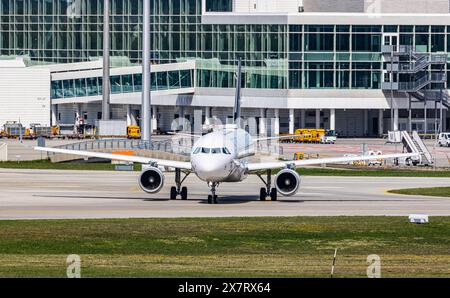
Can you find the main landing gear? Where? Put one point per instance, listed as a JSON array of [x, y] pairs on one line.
[[268, 191], [178, 190], [212, 198]]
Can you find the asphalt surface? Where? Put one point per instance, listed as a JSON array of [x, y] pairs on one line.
[[48, 194], [18, 151]]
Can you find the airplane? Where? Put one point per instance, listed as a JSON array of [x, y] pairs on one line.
[[222, 157]]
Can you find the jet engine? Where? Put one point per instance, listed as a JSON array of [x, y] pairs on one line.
[[288, 182], [151, 180]]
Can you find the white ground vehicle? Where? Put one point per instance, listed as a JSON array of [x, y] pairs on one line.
[[376, 162], [329, 138], [444, 139]]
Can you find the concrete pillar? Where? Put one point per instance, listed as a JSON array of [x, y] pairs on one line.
[[380, 122], [425, 127], [409, 115], [129, 120], [54, 120], [263, 123], [366, 123], [207, 116], [396, 126], [291, 121], [77, 111], [154, 126], [332, 119], [303, 119], [276, 123], [318, 118], [134, 120], [444, 120]]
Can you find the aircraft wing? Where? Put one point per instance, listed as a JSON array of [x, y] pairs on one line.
[[279, 138], [299, 163], [188, 135], [137, 159]]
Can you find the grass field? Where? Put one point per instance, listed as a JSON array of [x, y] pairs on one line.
[[375, 172], [433, 192], [47, 165], [232, 247]]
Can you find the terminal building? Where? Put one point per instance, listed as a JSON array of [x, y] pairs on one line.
[[360, 67]]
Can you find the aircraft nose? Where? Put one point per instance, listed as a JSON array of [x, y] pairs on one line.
[[209, 169]]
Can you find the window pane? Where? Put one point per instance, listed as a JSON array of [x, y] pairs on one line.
[[127, 83], [116, 86]]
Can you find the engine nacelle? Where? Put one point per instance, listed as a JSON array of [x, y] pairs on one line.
[[288, 182], [151, 180]]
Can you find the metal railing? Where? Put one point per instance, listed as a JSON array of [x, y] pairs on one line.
[[421, 82], [169, 146]]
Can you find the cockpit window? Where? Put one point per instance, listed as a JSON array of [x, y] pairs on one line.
[[197, 151], [206, 150], [216, 151], [226, 151]]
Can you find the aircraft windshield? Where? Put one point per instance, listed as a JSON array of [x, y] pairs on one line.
[[212, 151]]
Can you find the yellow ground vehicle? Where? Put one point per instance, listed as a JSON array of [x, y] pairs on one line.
[[55, 130], [134, 132], [299, 156], [309, 135]]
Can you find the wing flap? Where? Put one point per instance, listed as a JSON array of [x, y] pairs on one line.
[[136, 159], [311, 162]]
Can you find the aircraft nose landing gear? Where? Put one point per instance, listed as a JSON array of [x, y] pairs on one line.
[[212, 198]]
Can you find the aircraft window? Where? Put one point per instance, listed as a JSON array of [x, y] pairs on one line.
[[226, 151], [197, 151], [216, 151], [206, 150]]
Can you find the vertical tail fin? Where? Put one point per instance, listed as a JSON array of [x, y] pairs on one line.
[[237, 103]]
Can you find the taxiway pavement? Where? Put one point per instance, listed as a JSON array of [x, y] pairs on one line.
[[49, 194]]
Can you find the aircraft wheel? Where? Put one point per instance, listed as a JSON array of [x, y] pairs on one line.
[[210, 199], [173, 193], [263, 194], [215, 200], [184, 193], [274, 194]]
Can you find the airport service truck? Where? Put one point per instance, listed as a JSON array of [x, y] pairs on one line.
[[444, 139]]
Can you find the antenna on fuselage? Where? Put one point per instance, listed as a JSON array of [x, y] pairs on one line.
[[237, 102]]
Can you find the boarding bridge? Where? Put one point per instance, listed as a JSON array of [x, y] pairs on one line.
[[413, 144]]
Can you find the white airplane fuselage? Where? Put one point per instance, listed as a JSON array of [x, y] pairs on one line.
[[216, 157]]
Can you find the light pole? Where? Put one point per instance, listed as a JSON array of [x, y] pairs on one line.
[[146, 111], [105, 82]]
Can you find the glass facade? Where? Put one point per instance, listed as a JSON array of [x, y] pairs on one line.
[[274, 56], [127, 83]]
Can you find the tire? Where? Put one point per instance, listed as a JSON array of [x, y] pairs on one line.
[[210, 200], [215, 200], [263, 194], [184, 193], [173, 193], [274, 194]]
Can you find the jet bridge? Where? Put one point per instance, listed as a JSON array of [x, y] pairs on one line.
[[412, 143]]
